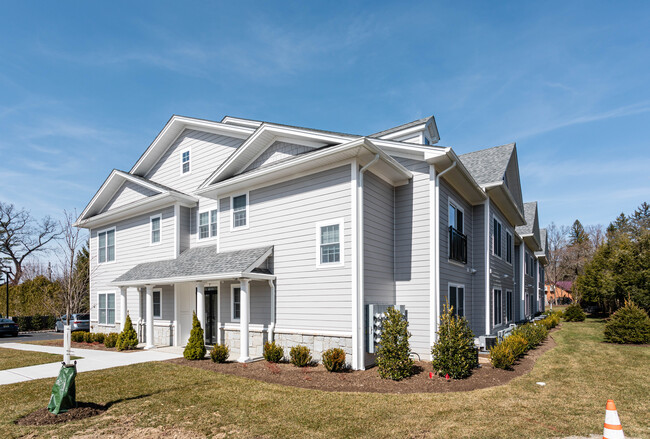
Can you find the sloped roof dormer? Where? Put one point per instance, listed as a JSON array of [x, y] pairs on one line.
[[529, 232], [422, 131]]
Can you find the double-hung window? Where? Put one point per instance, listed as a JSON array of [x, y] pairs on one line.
[[497, 307], [106, 247], [509, 305], [157, 304], [457, 299], [155, 222], [329, 243], [457, 241], [106, 307], [236, 302], [208, 224], [185, 161], [496, 238], [508, 247], [456, 217], [239, 211]]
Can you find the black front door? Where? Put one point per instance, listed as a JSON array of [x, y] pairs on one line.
[[211, 297]]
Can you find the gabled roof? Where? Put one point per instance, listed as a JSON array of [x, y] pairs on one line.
[[427, 124], [488, 165], [530, 231], [198, 263], [542, 255], [231, 120], [92, 212]]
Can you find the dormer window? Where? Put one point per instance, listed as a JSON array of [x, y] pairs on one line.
[[185, 162]]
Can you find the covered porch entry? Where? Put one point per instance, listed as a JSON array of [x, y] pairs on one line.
[[232, 294]]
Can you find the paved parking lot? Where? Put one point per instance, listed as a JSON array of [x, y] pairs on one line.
[[31, 336]]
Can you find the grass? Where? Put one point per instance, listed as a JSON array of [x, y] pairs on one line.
[[12, 358], [581, 373]]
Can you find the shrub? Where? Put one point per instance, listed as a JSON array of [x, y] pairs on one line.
[[195, 348], [77, 336], [88, 337], [534, 334], [574, 313], [334, 359], [550, 321], [501, 355], [273, 352], [630, 324], [517, 344], [454, 353], [393, 356], [98, 337], [128, 339], [110, 340], [220, 353], [300, 356]]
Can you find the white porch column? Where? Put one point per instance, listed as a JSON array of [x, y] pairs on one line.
[[244, 319], [149, 318], [200, 304], [123, 305]]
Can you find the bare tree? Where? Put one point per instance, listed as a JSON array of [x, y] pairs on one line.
[[22, 236], [557, 242], [73, 283], [597, 236]]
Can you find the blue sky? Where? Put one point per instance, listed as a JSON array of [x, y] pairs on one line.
[[86, 86]]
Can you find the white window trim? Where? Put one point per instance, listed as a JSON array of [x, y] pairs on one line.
[[151, 218], [107, 293], [232, 212], [457, 205], [114, 229], [232, 302], [494, 235], [159, 316], [198, 225], [333, 222], [494, 293], [512, 247], [180, 159], [456, 285]]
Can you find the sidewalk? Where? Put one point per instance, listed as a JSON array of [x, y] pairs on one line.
[[91, 360]]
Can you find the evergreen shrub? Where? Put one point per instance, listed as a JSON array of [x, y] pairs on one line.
[[533, 333], [88, 337], [393, 356], [630, 324], [77, 336], [195, 348], [502, 356], [220, 353], [517, 344], [98, 337], [273, 352], [300, 356], [334, 359], [574, 313], [111, 340], [454, 352], [128, 338]]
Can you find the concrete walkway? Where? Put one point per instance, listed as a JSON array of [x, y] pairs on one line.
[[91, 360]]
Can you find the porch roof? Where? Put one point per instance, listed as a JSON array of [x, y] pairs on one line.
[[200, 264]]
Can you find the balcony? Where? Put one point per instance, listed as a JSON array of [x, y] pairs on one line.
[[457, 246]]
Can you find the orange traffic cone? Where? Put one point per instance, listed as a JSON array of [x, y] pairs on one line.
[[613, 428]]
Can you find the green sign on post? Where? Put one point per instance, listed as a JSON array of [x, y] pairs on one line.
[[64, 395]]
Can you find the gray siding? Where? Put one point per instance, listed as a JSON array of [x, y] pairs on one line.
[[260, 301], [412, 265], [501, 272], [185, 227], [129, 192], [278, 151], [285, 215], [518, 291], [207, 152], [478, 243]]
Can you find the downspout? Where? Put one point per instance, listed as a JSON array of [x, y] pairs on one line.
[[272, 324], [360, 360], [436, 274], [488, 240]]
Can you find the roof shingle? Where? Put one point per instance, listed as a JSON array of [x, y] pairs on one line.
[[488, 165]]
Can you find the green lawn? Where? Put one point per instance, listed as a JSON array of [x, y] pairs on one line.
[[581, 373], [12, 358]]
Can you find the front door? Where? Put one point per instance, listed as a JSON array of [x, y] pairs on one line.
[[211, 297]]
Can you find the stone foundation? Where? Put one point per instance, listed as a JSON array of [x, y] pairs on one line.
[[163, 335], [256, 340]]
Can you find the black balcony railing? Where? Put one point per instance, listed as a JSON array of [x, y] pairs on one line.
[[457, 246]]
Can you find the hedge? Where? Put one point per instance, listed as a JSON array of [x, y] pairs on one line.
[[35, 323]]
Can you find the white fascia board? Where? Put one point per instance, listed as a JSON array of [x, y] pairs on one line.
[[405, 132], [442, 155], [259, 260], [502, 187], [137, 208], [174, 127], [97, 196], [229, 120], [201, 278], [259, 139]]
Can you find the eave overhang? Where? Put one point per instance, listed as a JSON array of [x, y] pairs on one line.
[[201, 278], [363, 149], [458, 177], [502, 198]]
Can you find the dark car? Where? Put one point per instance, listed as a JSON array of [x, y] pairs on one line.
[[78, 322], [8, 327]]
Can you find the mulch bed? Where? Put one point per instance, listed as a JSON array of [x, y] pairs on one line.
[[44, 417], [317, 377]]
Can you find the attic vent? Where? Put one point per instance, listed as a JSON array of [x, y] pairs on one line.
[[374, 320]]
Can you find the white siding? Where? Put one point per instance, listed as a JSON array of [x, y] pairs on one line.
[[129, 192], [278, 151]]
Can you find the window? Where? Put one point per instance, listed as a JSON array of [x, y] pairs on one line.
[[529, 264], [496, 238], [329, 243], [185, 162], [208, 224], [457, 299], [456, 217], [508, 247], [155, 229], [509, 304], [106, 308], [235, 295], [496, 306], [106, 247], [239, 207], [157, 304]]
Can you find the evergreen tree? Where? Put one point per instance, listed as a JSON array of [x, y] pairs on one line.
[[393, 356], [195, 348], [128, 338], [578, 235], [454, 353]]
